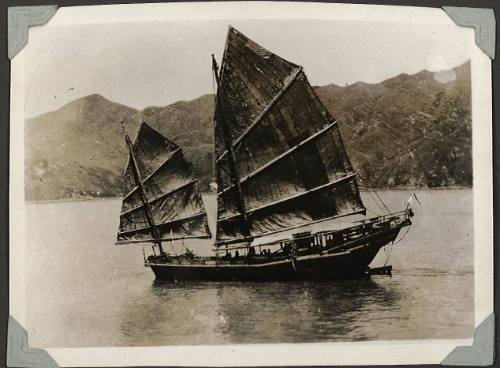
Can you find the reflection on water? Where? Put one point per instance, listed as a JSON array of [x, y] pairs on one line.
[[214, 312], [401, 307], [299, 312], [83, 291]]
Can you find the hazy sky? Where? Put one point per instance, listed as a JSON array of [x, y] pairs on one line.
[[158, 63]]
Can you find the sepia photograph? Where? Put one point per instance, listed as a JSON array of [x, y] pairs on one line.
[[194, 175]]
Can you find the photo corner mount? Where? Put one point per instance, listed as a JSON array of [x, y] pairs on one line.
[[19, 19], [483, 22]]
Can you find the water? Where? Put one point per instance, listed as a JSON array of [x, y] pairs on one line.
[[84, 291]]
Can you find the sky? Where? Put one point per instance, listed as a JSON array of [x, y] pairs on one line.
[[158, 63]]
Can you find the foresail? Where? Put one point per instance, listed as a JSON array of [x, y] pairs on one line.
[[172, 194], [292, 165]]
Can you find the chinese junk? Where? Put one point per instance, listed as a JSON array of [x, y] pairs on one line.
[[288, 202]]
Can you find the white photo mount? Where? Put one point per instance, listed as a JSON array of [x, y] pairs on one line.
[[19, 354]]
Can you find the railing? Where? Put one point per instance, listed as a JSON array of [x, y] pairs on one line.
[[320, 242]]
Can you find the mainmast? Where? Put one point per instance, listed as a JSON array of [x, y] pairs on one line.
[[142, 192], [281, 162], [233, 172]]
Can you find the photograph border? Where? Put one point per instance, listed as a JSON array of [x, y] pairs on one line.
[[460, 356]]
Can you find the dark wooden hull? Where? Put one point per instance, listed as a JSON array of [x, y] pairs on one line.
[[334, 265]]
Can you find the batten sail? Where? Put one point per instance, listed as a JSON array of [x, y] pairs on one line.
[[169, 193], [290, 158]]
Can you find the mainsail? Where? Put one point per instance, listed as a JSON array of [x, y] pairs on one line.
[[284, 148], [161, 199]]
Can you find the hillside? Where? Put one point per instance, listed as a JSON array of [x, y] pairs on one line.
[[410, 130]]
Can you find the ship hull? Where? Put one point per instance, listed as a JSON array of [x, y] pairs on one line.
[[335, 265]]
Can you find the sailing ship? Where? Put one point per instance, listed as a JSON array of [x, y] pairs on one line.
[[288, 201]]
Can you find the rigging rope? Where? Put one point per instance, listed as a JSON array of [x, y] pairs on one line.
[[381, 201], [375, 201], [388, 251], [404, 235], [172, 242], [370, 192], [390, 247], [372, 211]]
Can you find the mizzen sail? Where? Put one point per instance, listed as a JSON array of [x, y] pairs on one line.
[[286, 149], [161, 199]]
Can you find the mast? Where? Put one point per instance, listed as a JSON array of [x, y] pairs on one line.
[[142, 192], [233, 172]]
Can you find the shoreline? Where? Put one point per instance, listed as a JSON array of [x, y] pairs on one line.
[[64, 200], [365, 189]]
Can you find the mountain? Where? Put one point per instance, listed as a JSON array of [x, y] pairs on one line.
[[76, 151], [410, 130]]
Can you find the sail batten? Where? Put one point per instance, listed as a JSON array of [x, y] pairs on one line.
[[165, 238], [152, 200], [243, 74], [126, 232], [144, 180], [290, 162], [283, 155], [276, 98], [296, 196], [168, 202]]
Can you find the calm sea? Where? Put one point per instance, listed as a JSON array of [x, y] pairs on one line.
[[82, 290]]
